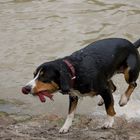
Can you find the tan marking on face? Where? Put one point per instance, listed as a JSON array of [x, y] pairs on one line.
[[110, 111], [40, 86]]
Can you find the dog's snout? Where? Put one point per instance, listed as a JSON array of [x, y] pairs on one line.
[[26, 89]]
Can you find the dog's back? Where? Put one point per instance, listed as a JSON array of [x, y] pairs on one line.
[[105, 56]]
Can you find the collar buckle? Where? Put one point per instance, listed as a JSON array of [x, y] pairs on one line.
[[74, 77]]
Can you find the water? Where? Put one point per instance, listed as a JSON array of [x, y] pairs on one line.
[[35, 31]]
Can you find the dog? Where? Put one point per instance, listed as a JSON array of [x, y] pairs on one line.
[[88, 72]]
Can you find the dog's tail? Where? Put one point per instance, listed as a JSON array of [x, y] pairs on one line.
[[137, 44]]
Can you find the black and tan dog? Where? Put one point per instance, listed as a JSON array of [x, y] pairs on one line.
[[88, 72]]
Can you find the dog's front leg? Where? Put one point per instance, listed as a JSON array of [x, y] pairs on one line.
[[109, 105], [73, 100], [112, 88]]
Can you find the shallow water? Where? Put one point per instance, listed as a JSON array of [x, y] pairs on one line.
[[35, 31]]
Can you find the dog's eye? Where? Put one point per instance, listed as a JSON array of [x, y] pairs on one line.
[[41, 73], [46, 81]]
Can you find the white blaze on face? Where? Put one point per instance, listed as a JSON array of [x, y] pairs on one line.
[[32, 83]]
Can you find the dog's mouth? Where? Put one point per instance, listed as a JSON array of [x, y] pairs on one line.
[[41, 94]]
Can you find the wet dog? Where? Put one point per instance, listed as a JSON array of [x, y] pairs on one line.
[[88, 72]]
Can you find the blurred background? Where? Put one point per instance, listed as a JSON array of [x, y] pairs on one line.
[[36, 31]]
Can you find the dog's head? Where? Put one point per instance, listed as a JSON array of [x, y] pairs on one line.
[[48, 78]]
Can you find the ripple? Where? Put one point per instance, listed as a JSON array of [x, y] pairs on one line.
[[34, 31], [20, 1], [104, 25], [130, 36], [98, 2], [100, 36]]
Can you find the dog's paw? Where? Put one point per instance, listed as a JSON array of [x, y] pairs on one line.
[[107, 125], [64, 130], [123, 101], [109, 122], [101, 102]]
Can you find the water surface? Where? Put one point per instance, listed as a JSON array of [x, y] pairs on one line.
[[35, 31]]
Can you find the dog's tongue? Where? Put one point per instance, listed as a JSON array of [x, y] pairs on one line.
[[42, 95]]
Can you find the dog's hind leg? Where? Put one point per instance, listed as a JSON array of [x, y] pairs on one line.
[[131, 74], [126, 96], [73, 100], [132, 85], [113, 89]]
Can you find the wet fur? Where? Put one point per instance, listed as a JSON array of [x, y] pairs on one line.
[[94, 67]]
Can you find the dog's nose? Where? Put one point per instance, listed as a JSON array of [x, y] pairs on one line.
[[26, 89]]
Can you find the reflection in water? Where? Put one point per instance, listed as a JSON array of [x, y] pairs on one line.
[[35, 31], [16, 1]]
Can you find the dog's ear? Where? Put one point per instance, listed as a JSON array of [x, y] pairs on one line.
[[65, 80]]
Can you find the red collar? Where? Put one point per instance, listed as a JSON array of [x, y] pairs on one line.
[[72, 69]]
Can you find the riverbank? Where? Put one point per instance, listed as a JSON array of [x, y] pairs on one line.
[[24, 127]]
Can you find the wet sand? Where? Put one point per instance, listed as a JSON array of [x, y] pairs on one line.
[[84, 127], [32, 32]]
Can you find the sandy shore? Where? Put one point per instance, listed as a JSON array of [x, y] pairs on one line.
[[84, 127]]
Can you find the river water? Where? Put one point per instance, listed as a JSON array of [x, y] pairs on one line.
[[35, 31]]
